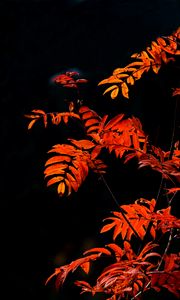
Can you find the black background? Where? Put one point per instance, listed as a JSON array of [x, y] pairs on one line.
[[38, 40]]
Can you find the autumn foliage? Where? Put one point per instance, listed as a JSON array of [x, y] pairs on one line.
[[131, 272]]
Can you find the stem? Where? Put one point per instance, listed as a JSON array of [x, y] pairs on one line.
[[139, 293], [170, 200], [109, 190], [167, 248]]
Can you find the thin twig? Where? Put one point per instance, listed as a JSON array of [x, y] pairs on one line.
[[167, 248]]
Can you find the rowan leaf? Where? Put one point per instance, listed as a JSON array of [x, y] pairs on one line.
[[98, 250], [125, 90], [153, 57], [61, 188], [113, 122], [110, 89], [91, 122], [82, 144], [117, 251], [31, 123], [54, 180], [38, 111]]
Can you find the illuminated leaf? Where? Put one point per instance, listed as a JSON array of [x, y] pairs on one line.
[[113, 122], [152, 57], [61, 188], [54, 180], [110, 88], [31, 123], [99, 250], [125, 90], [83, 144]]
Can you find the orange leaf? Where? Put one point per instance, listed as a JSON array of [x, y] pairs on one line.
[[107, 227], [59, 158], [96, 151], [83, 144], [99, 250], [130, 80], [156, 68], [87, 115], [38, 111], [61, 188], [31, 123], [72, 182], [92, 129], [117, 250], [125, 90], [55, 169], [32, 116], [110, 88], [111, 79], [75, 172], [83, 109], [82, 168], [68, 185], [91, 122], [54, 180], [133, 64], [119, 70], [86, 266], [113, 122], [114, 93]]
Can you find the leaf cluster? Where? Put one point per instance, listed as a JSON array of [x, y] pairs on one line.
[[132, 272]]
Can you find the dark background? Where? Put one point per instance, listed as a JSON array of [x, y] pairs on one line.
[[38, 40]]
